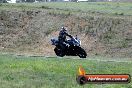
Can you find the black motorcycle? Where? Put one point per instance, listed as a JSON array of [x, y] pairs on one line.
[[71, 48]]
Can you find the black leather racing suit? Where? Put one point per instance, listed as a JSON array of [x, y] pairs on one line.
[[62, 38]]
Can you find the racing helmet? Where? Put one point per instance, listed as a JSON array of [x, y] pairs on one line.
[[63, 28]]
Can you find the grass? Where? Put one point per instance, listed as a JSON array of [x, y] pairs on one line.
[[54, 72], [39, 24], [114, 8]]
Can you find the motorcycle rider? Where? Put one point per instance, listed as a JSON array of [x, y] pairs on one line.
[[62, 37]]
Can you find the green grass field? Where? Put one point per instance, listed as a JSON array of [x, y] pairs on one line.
[[114, 8], [54, 72]]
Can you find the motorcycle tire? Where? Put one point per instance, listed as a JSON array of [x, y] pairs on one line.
[[59, 52], [82, 53]]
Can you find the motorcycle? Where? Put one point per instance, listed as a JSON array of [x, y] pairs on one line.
[[71, 48]]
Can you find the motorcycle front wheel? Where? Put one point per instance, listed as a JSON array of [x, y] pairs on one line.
[[81, 53]]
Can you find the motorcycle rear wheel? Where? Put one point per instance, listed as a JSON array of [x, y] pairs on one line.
[[59, 52]]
